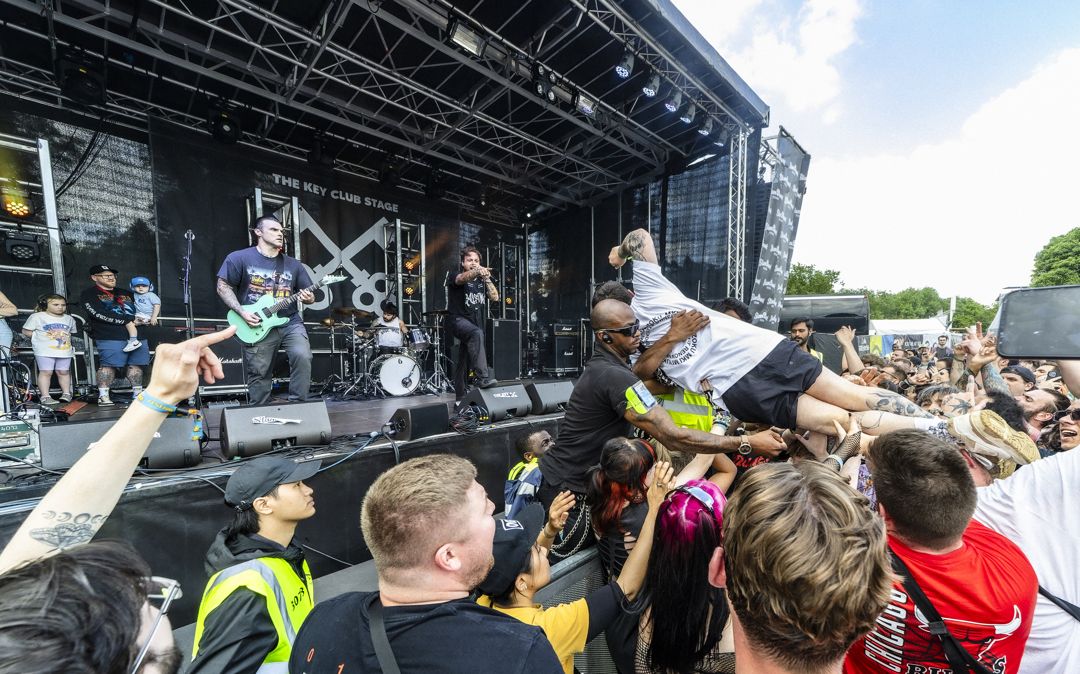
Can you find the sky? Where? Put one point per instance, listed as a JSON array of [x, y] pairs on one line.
[[942, 134]]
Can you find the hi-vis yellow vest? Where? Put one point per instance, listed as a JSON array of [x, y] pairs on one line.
[[288, 601], [688, 409]]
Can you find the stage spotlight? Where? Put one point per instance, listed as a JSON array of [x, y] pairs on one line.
[[482, 199], [625, 68], [688, 114], [412, 263], [584, 104], [224, 124], [320, 154], [434, 185], [23, 247], [16, 201], [465, 37], [81, 79], [673, 103], [390, 171], [722, 137], [409, 290], [544, 82], [509, 300], [652, 87], [706, 128]]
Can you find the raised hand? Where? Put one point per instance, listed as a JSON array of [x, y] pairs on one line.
[[845, 335], [663, 482], [766, 443], [177, 367], [559, 512], [686, 323]]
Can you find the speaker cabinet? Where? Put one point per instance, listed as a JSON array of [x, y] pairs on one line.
[[247, 431], [172, 446], [501, 402], [504, 348], [413, 423], [563, 354], [548, 397]]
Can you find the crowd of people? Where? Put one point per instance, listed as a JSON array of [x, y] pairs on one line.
[[752, 511]]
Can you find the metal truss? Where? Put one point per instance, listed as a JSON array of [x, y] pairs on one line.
[[736, 238]]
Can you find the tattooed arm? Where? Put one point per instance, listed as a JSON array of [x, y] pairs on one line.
[[637, 245], [76, 507], [993, 380]]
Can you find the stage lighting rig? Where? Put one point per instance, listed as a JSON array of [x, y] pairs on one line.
[[723, 135], [16, 201], [390, 171], [320, 154], [585, 104], [706, 128], [625, 67], [482, 198], [652, 86], [224, 123], [81, 78], [673, 103], [544, 82], [461, 34], [435, 184], [22, 247], [688, 115]]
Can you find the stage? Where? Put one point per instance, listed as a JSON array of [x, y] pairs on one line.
[[172, 516]]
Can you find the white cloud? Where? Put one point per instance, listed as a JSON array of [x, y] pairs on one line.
[[786, 56], [965, 215]]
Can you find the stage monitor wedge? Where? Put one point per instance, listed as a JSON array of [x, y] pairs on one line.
[[549, 397], [413, 423], [501, 402], [248, 431], [172, 446]]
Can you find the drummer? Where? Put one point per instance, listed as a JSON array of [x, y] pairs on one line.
[[389, 329]]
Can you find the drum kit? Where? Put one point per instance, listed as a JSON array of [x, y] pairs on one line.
[[382, 362]]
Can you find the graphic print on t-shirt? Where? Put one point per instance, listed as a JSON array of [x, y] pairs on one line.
[[683, 353], [59, 335], [260, 281]]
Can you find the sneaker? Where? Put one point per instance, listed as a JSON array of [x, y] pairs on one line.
[[66, 398], [48, 400], [105, 401], [132, 345], [487, 383]]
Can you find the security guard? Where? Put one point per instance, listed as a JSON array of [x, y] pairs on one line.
[[260, 587]]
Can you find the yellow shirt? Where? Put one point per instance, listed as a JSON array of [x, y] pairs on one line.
[[566, 625]]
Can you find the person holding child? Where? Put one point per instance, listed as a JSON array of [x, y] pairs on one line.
[[50, 329]]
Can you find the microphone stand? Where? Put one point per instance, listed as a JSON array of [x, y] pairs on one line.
[[189, 312]]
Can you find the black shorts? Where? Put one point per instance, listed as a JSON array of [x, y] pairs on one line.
[[769, 393]]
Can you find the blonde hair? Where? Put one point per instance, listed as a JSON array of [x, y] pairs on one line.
[[414, 508], [807, 567]]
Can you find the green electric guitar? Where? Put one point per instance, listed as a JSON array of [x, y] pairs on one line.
[[267, 309]]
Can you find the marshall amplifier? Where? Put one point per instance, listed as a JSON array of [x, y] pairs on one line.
[[232, 362], [563, 355]]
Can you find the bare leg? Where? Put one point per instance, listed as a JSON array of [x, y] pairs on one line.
[[832, 388], [818, 416], [134, 375], [131, 330], [44, 381], [65, 381], [105, 377]]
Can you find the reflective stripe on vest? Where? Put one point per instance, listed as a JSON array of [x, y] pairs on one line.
[[288, 601], [688, 409]]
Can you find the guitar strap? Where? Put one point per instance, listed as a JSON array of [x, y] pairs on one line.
[[278, 274]]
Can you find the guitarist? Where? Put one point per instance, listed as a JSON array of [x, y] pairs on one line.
[[244, 277]]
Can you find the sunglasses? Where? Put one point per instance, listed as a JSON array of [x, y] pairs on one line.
[[628, 331], [161, 593], [701, 496], [1074, 415]]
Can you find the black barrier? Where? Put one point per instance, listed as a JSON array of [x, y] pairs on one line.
[[172, 522]]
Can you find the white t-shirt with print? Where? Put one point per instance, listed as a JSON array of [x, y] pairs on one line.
[[721, 353], [52, 334], [1036, 508]]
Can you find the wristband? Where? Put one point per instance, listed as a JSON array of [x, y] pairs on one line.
[[837, 459], [159, 405]]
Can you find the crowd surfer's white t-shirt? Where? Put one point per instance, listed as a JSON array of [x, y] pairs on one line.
[[722, 353], [1036, 508]]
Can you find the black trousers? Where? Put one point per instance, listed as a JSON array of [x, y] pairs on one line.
[[472, 342]]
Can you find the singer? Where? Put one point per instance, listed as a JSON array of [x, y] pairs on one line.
[[465, 301]]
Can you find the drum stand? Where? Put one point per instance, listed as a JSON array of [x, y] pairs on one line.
[[362, 384], [438, 382]]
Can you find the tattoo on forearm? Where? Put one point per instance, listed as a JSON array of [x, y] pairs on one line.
[[67, 529], [870, 420], [887, 401], [227, 294], [993, 380]]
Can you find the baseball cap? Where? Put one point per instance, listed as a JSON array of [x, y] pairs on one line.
[[258, 478], [140, 281], [1021, 371], [985, 434], [100, 268], [514, 540]]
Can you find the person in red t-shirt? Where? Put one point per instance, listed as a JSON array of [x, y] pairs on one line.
[[978, 581]]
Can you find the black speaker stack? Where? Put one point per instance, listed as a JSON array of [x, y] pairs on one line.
[[563, 353]]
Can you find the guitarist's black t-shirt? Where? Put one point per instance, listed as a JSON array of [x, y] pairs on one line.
[[252, 274]]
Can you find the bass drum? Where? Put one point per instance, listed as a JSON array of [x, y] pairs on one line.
[[397, 374]]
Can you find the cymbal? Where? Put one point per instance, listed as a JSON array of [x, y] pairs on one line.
[[436, 312], [328, 322], [350, 311]]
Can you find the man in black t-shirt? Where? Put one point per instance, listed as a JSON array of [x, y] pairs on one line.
[[244, 277], [111, 311], [465, 300], [429, 526]]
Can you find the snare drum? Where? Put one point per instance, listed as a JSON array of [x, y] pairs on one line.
[[397, 374], [418, 340]]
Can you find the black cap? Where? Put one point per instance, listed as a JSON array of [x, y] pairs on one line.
[[258, 478], [99, 268], [1020, 371], [514, 540]]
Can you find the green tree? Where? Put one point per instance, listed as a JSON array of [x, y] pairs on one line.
[[1058, 263], [806, 279], [908, 303], [969, 312]]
